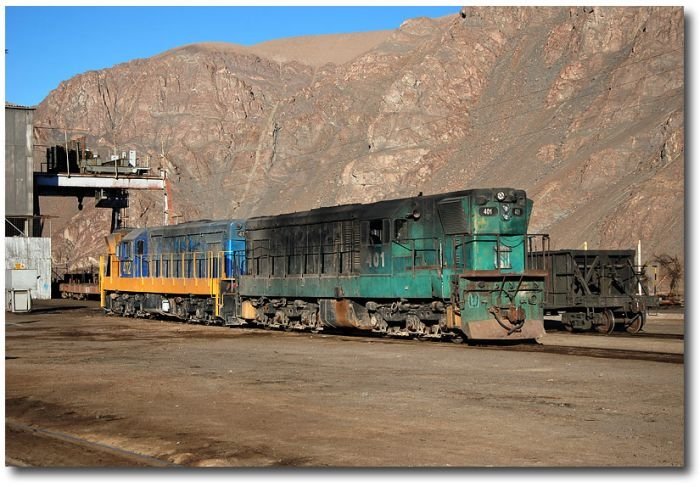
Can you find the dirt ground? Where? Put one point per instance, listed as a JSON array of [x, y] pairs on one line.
[[207, 396]]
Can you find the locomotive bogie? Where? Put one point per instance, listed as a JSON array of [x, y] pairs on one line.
[[190, 308], [392, 318]]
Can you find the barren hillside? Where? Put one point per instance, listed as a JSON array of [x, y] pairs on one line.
[[582, 107], [321, 49]]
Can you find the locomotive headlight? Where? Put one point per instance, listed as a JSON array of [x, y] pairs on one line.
[[505, 210], [500, 196]]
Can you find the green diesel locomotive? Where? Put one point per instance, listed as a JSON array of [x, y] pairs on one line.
[[447, 265]]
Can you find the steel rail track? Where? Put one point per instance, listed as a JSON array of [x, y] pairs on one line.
[[623, 334], [643, 334], [138, 459], [597, 352]]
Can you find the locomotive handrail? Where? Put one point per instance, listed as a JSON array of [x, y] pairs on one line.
[[179, 265], [539, 255], [498, 239], [414, 250], [318, 251]]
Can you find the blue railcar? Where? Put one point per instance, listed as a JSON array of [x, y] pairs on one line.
[[188, 270]]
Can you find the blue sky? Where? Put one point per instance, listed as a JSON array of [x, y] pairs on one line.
[[46, 45]]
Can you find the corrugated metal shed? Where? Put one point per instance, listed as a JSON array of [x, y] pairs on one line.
[[19, 161], [31, 253]]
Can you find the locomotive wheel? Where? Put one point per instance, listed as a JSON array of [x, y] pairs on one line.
[[457, 338], [636, 323], [607, 324]]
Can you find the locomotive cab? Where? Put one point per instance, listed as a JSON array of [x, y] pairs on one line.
[[132, 253]]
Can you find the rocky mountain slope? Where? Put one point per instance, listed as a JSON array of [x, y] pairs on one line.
[[582, 107]]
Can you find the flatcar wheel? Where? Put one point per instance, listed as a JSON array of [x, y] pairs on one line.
[[607, 324], [636, 323]]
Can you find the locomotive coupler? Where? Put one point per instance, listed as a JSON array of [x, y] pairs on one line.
[[516, 316]]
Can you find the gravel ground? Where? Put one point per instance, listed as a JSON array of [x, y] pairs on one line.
[[207, 396]]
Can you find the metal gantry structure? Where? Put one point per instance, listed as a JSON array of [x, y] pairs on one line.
[[74, 170], [70, 170]]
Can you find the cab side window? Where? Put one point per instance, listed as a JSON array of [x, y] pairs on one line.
[[375, 232], [400, 229], [379, 232], [125, 250]]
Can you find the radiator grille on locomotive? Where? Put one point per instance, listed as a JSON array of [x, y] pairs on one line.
[[453, 216]]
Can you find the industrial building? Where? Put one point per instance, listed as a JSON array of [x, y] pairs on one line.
[[71, 171]]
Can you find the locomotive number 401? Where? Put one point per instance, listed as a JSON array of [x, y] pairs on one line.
[[375, 259]]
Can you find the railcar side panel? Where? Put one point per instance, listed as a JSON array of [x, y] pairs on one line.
[[593, 289]]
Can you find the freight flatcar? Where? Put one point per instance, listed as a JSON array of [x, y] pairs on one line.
[[593, 289], [449, 265], [80, 285]]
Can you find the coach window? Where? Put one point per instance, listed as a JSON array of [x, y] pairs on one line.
[[139, 247]]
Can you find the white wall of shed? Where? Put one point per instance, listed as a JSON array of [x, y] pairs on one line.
[[31, 253]]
